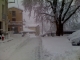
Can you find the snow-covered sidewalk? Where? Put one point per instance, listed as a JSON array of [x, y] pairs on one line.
[[7, 48], [56, 47], [6, 40]]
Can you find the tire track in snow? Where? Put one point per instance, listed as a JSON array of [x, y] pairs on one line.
[[39, 51], [31, 50]]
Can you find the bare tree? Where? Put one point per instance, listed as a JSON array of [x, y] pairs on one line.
[[60, 11]]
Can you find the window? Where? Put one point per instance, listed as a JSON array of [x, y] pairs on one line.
[[13, 13], [8, 29], [3, 12], [2, 9], [13, 19]]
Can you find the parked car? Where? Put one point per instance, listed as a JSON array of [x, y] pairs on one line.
[[75, 41], [75, 38], [73, 34]]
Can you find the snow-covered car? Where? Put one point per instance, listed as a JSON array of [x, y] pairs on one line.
[[73, 34], [75, 41], [75, 38]]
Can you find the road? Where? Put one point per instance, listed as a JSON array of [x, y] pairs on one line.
[[21, 49], [25, 48]]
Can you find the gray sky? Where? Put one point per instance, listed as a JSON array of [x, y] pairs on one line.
[[25, 14]]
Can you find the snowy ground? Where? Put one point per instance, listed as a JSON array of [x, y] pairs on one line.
[[56, 46], [21, 48], [35, 48]]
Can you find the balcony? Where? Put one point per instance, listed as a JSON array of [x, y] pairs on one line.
[[15, 23]]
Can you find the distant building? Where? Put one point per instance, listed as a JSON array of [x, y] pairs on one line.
[[15, 19], [3, 16], [35, 27]]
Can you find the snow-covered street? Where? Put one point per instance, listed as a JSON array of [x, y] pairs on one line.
[[21, 48], [35, 48]]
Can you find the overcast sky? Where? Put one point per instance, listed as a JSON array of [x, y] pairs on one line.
[[25, 14]]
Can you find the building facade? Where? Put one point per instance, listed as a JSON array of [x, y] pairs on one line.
[[3, 16], [15, 20], [35, 28]]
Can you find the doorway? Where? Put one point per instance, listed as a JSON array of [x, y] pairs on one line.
[[16, 30]]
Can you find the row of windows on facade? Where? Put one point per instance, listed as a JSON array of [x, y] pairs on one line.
[[13, 15]]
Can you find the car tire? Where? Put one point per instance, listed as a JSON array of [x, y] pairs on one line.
[[78, 44], [74, 44]]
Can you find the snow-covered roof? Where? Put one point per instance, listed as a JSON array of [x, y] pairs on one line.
[[33, 25], [15, 8], [28, 30]]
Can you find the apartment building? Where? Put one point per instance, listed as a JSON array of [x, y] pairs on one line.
[[3, 16], [15, 16]]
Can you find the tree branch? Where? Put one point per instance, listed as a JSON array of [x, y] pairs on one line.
[[50, 3], [71, 14], [62, 8], [54, 6], [47, 14], [67, 10]]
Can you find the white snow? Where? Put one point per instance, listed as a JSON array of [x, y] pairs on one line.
[[59, 48], [33, 48], [32, 25], [56, 45], [21, 48], [26, 52], [75, 37], [74, 34], [28, 30]]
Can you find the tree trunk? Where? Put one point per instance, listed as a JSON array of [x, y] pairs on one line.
[[59, 30]]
